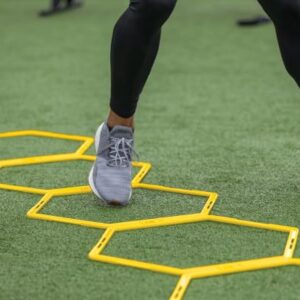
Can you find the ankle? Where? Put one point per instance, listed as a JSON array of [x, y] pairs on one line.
[[114, 120]]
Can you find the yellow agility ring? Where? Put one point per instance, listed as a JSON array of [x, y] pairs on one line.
[[185, 274]]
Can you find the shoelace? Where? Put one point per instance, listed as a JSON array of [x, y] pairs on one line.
[[120, 150]]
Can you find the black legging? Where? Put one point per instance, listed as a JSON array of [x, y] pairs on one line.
[[136, 40], [286, 17], [134, 48]]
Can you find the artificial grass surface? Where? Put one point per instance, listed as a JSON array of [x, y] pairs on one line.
[[27, 146], [145, 205], [190, 245], [219, 113]]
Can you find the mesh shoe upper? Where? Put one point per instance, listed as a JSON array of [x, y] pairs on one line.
[[112, 170]]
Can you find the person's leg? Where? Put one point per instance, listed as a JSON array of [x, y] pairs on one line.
[[286, 17], [134, 48], [135, 44], [123, 104]]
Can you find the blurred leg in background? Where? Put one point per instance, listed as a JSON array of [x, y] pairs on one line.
[[260, 20], [57, 6], [285, 15]]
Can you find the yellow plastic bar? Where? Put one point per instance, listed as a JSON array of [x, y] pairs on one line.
[[24, 189], [295, 262], [145, 168], [76, 190], [18, 133], [238, 267], [253, 224], [181, 287], [88, 157], [38, 160], [65, 220], [161, 188], [39, 206], [42, 133], [136, 264], [158, 222], [85, 146], [99, 247], [209, 204], [291, 243]]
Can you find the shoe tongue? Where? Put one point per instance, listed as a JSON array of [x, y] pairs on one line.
[[122, 132]]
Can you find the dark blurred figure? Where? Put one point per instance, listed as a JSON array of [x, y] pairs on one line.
[[285, 15], [57, 6], [260, 20]]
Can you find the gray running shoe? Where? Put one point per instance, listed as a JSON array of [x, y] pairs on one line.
[[110, 176]]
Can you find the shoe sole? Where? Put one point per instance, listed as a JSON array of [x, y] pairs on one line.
[[91, 175], [91, 181]]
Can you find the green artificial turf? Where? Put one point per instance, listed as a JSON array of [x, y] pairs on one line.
[[219, 113]]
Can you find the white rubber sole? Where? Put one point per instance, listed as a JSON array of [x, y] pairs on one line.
[[91, 175], [91, 181]]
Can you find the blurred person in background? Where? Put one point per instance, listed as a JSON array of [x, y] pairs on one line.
[[285, 15], [57, 6], [135, 44]]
